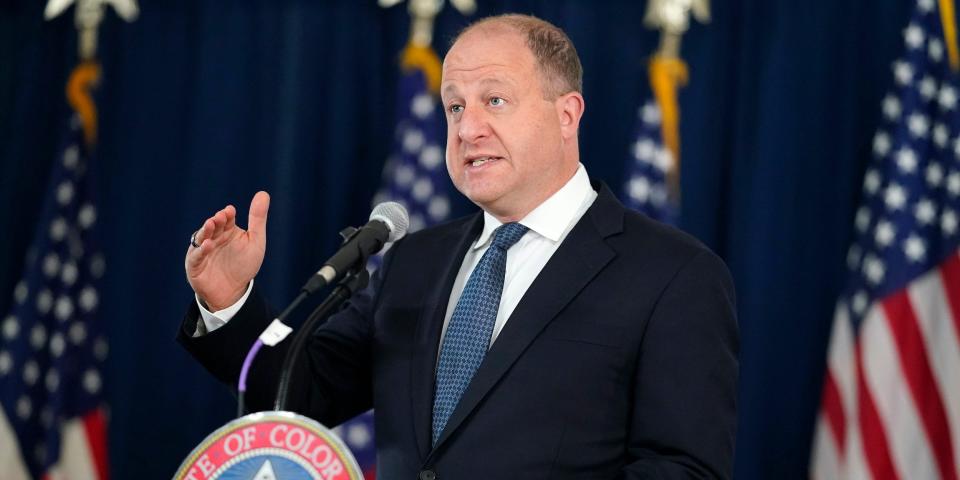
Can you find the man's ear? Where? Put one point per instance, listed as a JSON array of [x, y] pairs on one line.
[[569, 110]]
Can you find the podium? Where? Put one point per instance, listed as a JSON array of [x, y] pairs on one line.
[[268, 446]]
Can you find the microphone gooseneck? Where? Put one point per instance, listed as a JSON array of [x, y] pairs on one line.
[[388, 223]]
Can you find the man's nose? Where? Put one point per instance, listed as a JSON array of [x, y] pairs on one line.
[[474, 124]]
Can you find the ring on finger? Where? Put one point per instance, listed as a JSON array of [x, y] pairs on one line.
[[193, 239]]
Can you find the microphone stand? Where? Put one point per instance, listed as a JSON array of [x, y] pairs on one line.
[[354, 281]]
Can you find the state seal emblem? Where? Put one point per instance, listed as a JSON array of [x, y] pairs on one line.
[[271, 446]]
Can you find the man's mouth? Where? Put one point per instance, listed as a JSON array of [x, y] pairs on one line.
[[478, 161]]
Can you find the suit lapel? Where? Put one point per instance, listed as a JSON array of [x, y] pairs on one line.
[[579, 258], [424, 360]]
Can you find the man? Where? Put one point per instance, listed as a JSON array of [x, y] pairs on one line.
[[555, 335]]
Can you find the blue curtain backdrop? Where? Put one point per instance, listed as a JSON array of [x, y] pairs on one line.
[[203, 103]]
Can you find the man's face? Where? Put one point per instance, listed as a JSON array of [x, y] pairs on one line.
[[504, 145]]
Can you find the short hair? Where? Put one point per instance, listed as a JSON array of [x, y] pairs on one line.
[[556, 57]]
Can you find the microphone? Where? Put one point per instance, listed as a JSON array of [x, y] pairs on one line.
[[388, 223]]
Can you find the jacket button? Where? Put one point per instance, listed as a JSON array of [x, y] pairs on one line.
[[428, 475]]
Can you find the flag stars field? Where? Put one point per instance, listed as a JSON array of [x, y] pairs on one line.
[[874, 270], [57, 345], [934, 175], [915, 248], [6, 362], [422, 105], [885, 234], [903, 73], [895, 197], [940, 135], [928, 88], [925, 212], [860, 302], [52, 382], [906, 160], [853, 257], [892, 110], [871, 182], [11, 327], [914, 37], [948, 222], [31, 372], [881, 144], [863, 219], [935, 49], [20, 293], [947, 98], [919, 125], [413, 141], [38, 337]]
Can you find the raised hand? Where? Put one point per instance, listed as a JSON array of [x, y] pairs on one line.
[[229, 256]]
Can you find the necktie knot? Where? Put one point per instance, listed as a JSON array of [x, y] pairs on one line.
[[508, 234]]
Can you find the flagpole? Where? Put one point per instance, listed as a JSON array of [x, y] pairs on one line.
[[668, 71]]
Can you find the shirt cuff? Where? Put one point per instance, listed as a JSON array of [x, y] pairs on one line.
[[215, 320]]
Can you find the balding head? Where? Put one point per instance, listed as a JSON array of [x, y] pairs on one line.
[[556, 58]]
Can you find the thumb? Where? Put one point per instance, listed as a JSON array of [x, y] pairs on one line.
[[257, 219]]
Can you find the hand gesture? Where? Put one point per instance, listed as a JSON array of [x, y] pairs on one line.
[[229, 256]]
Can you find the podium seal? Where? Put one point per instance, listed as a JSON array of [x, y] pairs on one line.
[[271, 446]]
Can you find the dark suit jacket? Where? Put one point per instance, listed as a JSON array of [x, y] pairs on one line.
[[620, 361]]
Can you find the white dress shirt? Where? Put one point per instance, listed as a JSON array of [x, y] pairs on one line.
[[549, 224]]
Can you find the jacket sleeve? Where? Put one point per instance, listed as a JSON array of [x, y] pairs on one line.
[[331, 382], [684, 414]]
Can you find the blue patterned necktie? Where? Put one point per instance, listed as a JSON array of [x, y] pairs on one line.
[[468, 333]]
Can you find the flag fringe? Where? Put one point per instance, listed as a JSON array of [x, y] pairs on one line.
[[666, 75], [84, 77], [419, 57]]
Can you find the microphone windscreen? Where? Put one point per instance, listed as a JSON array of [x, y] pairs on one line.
[[394, 216]]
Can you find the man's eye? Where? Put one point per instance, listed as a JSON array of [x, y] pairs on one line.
[[497, 101], [455, 108]]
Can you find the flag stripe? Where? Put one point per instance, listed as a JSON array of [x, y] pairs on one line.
[[11, 461], [833, 408], [922, 385], [825, 452], [855, 463], [950, 271], [95, 426], [873, 358], [908, 446], [928, 295], [842, 367], [76, 460]]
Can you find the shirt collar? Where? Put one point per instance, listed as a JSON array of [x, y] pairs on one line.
[[553, 216]]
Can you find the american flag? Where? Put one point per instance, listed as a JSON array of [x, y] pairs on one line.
[[646, 188], [890, 406], [414, 175], [52, 348]]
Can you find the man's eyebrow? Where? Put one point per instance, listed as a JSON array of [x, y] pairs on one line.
[[448, 90], [451, 89]]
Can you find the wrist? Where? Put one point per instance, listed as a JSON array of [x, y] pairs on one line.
[[215, 303]]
